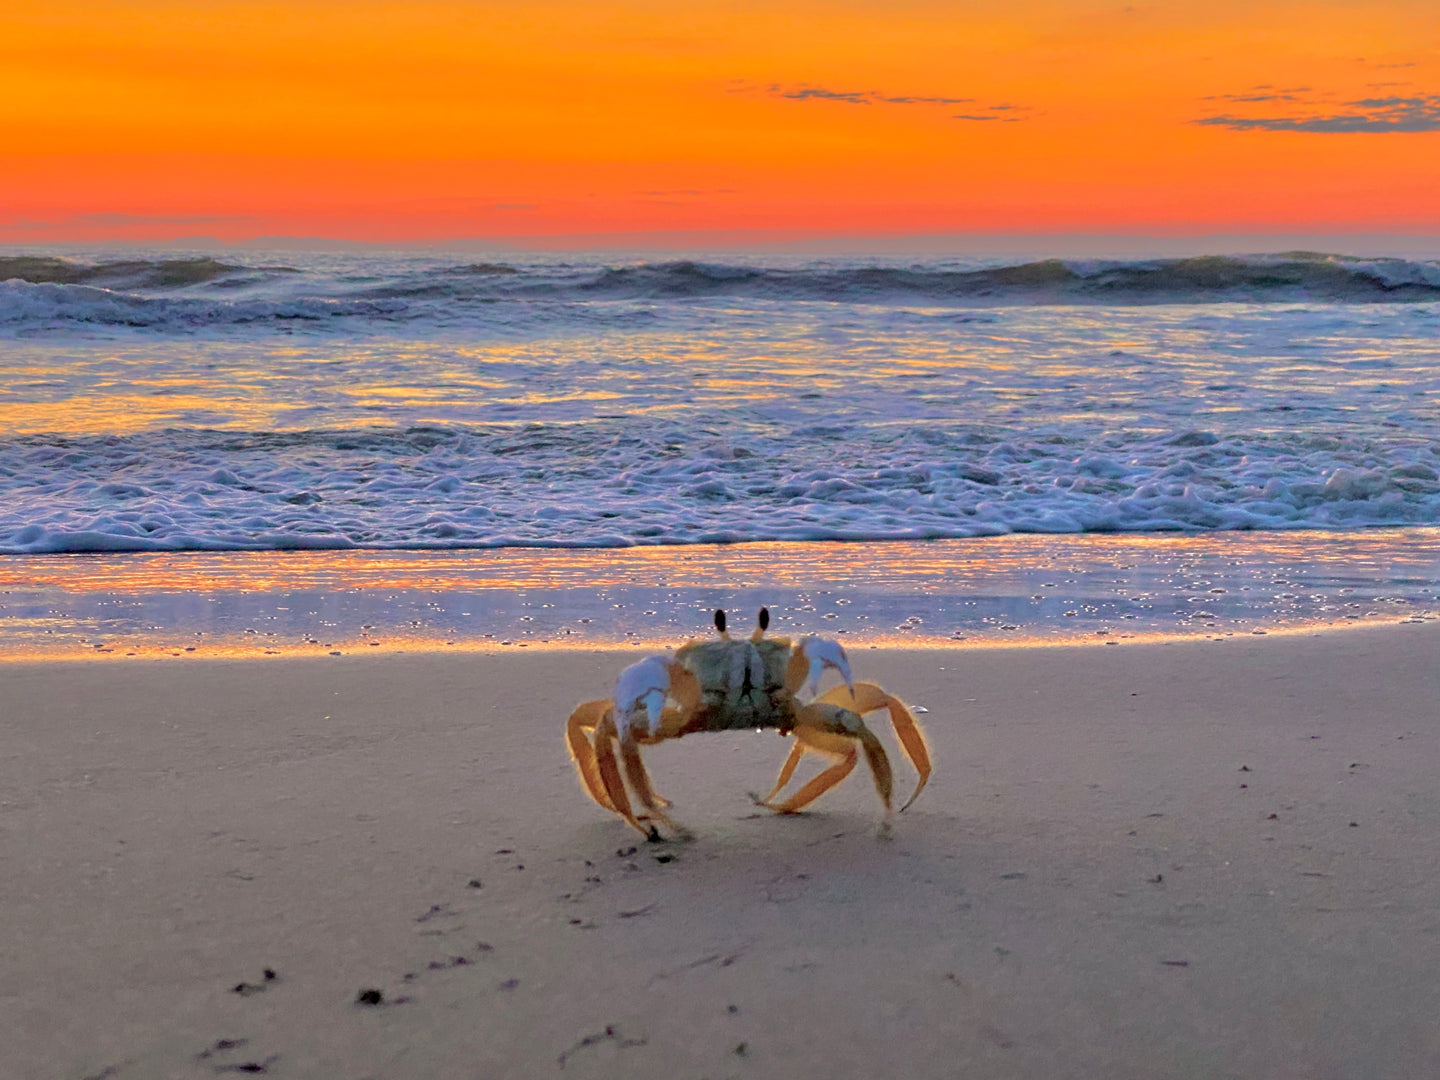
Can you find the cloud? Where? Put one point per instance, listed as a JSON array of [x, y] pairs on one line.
[[925, 100], [808, 93], [1376, 115], [982, 117], [977, 111], [1247, 99], [1253, 95], [1004, 110], [860, 97]]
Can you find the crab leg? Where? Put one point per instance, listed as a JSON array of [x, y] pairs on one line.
[[832, 746], [586, 718], [610, 773], [834, 737], [912, 741], [797, 751], [869, 697], [640, 781], [879, 765]]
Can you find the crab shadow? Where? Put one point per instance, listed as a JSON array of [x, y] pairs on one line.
[[744, 858]]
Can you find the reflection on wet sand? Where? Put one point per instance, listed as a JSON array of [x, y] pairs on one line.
[[1022, 589]]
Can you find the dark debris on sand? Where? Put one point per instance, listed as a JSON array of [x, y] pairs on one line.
[[608, 1035], [251, 1067]]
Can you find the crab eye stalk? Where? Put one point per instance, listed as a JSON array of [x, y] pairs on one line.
[[720, 619], [764, 618]]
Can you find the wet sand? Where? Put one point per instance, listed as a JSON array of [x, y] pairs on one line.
[[1191, 859]]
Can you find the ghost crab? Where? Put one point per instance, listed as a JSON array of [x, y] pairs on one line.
[[733, 684]]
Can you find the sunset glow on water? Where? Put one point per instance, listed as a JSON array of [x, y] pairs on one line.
[[941, 594]]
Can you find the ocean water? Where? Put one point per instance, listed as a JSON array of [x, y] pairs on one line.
[[386, 401], [232, 402]]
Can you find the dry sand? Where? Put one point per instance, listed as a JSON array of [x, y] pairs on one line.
[[1087, 889]]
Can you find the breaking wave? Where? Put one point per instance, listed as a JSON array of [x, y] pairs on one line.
[[46, 292], [1297, 276], [36, 306], [125, 273], [618, 484]]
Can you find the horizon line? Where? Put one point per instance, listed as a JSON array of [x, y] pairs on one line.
[[975, 243]]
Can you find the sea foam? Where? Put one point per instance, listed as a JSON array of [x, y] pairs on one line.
[[622, 484]]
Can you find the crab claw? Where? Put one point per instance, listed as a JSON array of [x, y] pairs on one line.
[[821, 653], [642, 685]]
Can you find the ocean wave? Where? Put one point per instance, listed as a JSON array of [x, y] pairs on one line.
[[484, 269], [29, 306], [1294, 277], [623, 483], [47, 292], [126, 273]]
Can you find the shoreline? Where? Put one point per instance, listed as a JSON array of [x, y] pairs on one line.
[[1085, 888], [886, 644], [644, 547], [1007, 590]]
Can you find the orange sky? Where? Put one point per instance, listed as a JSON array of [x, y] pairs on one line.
[[141, 119]]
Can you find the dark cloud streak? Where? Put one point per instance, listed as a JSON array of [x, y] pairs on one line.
[[862, 97], [809, 93], [925, 100], [1378, 115], [875, 97]]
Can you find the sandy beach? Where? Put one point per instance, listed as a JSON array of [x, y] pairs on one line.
[[378, 382], [1189, 859]]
